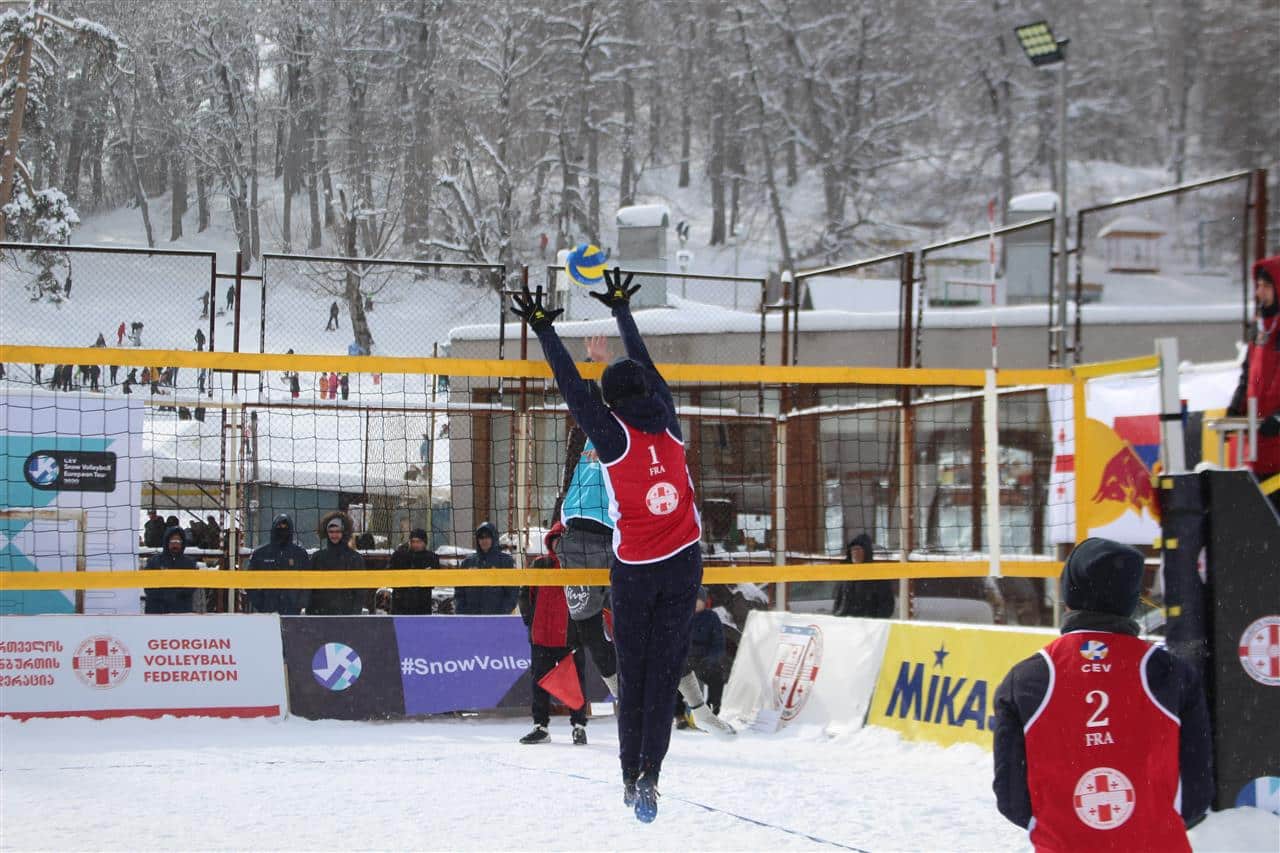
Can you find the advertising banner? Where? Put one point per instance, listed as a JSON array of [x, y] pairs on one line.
[[461, 662], [387, 667], [141, 666], [937, 682], [805, 667], [69, 493], [342, 667], [1111, 485]]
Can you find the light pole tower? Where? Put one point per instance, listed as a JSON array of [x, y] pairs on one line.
[[1043, 49]]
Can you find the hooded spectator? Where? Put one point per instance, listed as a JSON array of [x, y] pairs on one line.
[[161, 600], [486, 600], [335, 554], [414, 554], [280, 554], [873, 599], [1260, 376]]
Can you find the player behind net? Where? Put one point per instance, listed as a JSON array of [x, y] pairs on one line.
[[657, 565]]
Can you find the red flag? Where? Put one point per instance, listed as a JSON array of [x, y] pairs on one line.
[[562, 683]]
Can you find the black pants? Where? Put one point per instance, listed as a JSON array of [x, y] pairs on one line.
[[590, 635], [652, 614], [544, 660]]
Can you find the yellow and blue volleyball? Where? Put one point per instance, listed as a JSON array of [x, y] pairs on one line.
[[585, 265]]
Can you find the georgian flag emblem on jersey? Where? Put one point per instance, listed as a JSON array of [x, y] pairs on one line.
[[1104, 798], [1093, 650], [662, 498]]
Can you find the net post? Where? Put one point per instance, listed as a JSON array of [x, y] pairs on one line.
[[991, 452]]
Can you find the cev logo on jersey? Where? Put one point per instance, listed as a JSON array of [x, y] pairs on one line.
[[1259, 650], [1104, 798], [102, 662], [1093, 650], [662, 499]]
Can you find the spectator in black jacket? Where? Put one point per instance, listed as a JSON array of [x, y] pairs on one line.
[[153, 530], [706, 650], [863, 598], [413, 600], [486, 600], [1079, 703], [335, 554], [280, 554], [159, 600]]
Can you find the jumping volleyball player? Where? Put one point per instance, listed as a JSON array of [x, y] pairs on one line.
[[657, 567]]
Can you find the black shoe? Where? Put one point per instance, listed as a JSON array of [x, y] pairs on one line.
[[579, 735], [538, 735], [646, 799]]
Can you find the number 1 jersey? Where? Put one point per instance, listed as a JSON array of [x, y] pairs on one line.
[[651, 498]]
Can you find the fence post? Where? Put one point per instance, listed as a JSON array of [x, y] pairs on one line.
[[1260, 215], [780, 511], [235, 328], [1173, 453]]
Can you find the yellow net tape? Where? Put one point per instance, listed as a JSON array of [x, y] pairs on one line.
[[370, 579]]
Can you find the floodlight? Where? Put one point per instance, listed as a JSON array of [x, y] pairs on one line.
[[1039, 44]]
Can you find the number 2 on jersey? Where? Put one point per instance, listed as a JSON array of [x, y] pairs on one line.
[[1103, 700]]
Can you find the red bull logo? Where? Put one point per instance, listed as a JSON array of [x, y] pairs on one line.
[[1125, 479], [1116, 478]]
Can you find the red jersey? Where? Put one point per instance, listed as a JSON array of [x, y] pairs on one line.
[[651, 498], [1102, 753]]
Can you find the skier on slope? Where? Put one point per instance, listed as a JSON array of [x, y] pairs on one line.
[[657, 568]]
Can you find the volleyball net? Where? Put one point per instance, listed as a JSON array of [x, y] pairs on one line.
[[789, 464]]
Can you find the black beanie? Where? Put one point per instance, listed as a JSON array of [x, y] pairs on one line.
[[623, 380], [1103, 575], [418, 533]]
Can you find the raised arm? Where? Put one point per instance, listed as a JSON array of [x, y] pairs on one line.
[[617, 297], [591, 414]]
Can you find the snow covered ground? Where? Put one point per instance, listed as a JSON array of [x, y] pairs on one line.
[[465, 784]]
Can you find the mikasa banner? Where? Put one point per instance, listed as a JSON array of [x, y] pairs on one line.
[[798, 668], [141, 666]]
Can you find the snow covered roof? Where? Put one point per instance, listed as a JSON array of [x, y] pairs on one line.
[[1042, 201], [644, 216], [1132, 226]]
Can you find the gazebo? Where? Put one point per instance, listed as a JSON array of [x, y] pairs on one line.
[[1132, 244]]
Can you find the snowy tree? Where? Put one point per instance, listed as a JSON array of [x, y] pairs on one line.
[[30, 44]]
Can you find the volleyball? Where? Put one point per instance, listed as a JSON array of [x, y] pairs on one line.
[[585, 265]]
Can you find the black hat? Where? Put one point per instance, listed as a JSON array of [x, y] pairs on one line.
[[418, 533], [1103, 575], [624, 380]]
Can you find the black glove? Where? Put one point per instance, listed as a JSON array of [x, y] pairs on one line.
[[1270, 427], [618, 292], [529, 308]]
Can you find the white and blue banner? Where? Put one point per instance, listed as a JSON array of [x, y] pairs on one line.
[[69, 494]]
